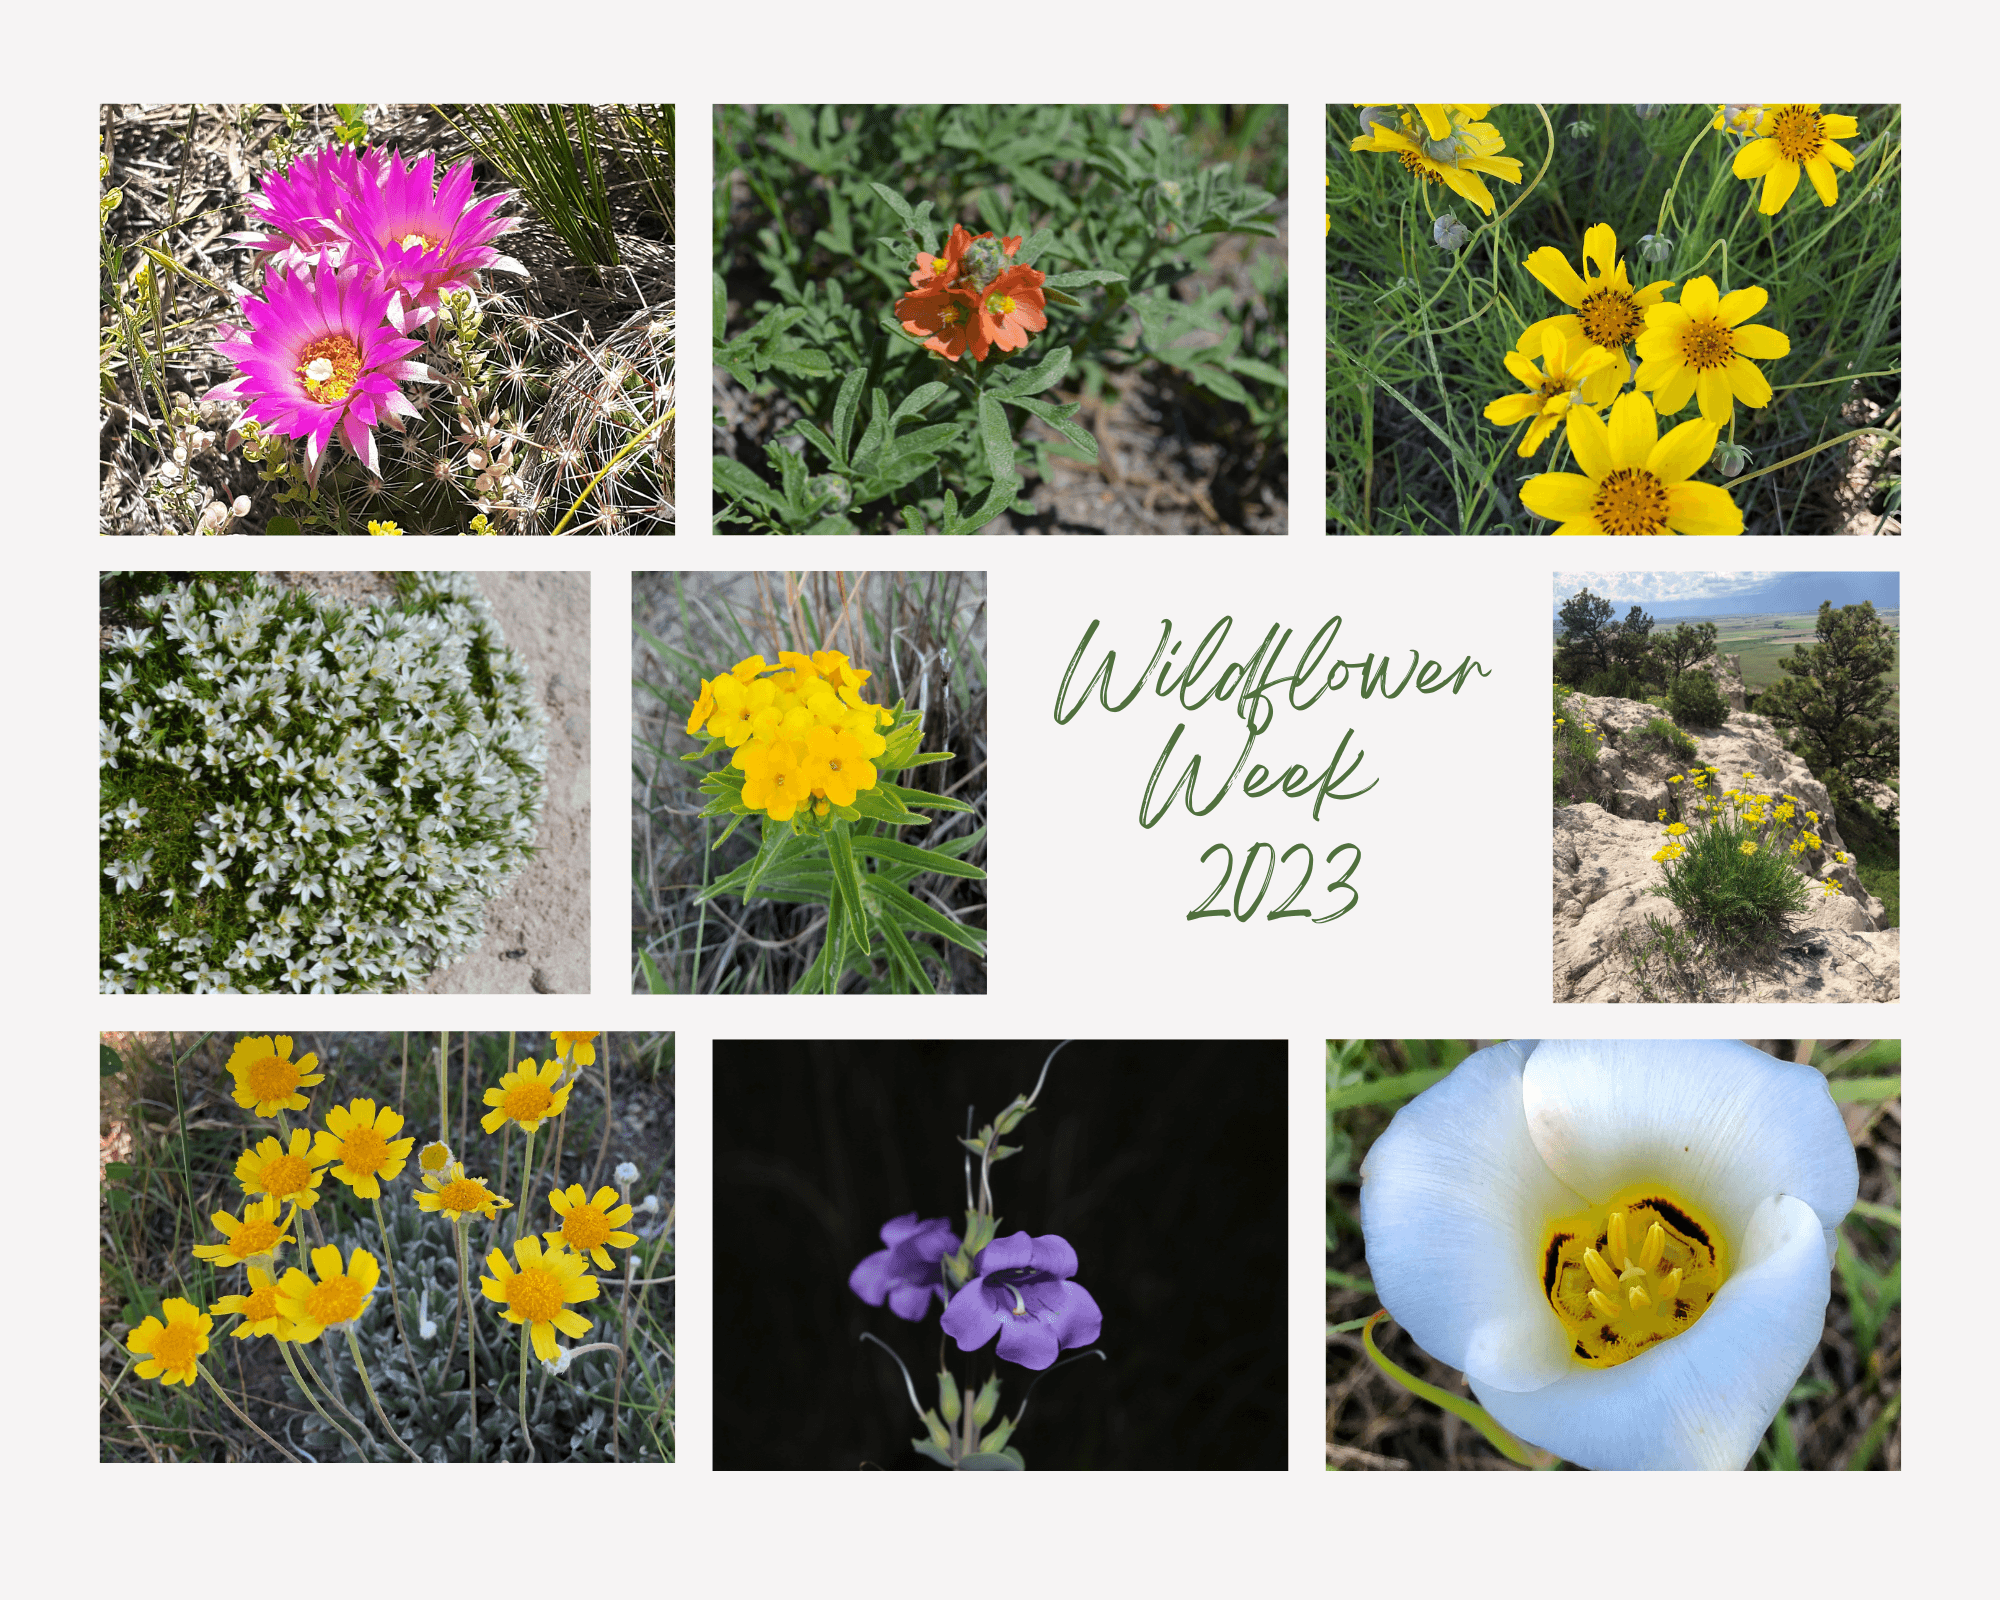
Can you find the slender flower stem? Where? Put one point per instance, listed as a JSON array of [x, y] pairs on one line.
[[527, 1178], [562, 1127], [333, 1395], [298, 1377], [624, 1328], [360, 1366], [242, 1416], [444, 1091], [395, 1298], [527, 1437], [471, 1338]]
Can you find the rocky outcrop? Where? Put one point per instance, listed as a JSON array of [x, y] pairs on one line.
[[1838, 949]]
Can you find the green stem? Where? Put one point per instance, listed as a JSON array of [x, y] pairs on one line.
[[1858, 433], [395, 1298], [444, 1092], [298, 1377], [527, 1438], [471, 1340], [360, 1366], [527, 1179], [242, 1417]]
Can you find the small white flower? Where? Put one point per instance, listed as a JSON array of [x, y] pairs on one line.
[[625, 1174]]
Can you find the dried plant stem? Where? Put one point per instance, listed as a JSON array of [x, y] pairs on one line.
[[395, 1297], [444, 1090], [471, 1341], [527, 1437]]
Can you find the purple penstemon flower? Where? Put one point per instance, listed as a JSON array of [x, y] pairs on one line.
[[1023, 1292], [910, 1270]]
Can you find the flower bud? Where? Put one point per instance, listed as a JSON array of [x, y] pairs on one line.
[[1448, 233], [983, 260], [1373, 117], [949, 1401], [988, 1401], [939, 1436], [1731, 458], [1655, 247], [1582, 128], [625, 1174], [1646, 113]]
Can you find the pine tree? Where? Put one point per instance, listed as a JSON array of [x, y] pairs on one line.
[[1833, 699]]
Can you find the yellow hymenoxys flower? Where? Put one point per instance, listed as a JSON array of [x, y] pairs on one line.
[[259, 1234], [340, 1296], [590, 1225], [1443, 144], [172, 1349], [284, 1172], [527, 1097], [267, 1080], [1555, 386], [362, 1143], [258, 1309], [540, 1291], [578, 1043], [1790, 139], [1700, 347], [458, 1196], [1633, 482], [1607, 310]]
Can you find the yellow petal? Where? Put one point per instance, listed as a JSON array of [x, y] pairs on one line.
[[1712, 389], [1600, 248], [1589, 443], [1682, 453], [1559, 496], [1521, 369], [1762, 344], [1820, 170], [1740, 305], [1464, 184], [1837, 126], [1755, 159], [1779, 183], [1512, 408], [1675, 393], [1702, 508], [1552, 270], [1633, 430], [1748, 384], [1698, 297]]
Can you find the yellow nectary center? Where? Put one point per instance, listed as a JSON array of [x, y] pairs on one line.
[[421, 241], [336, 1300], [329, 366], [527, 1102], [1000, 304], [363, 1150], [175, 1349], [287, 1175], [1631, 500], [1610, 318], [536, 1293], [255, 1238], [585, 1229], [1626, 1276], [464, 1194], [273, 1078], [1707, 343], [952, 314], [1799, 133]]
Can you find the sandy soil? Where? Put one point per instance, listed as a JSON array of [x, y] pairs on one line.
[[538, 933]]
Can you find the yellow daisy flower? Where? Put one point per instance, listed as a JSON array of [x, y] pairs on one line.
[[1445, 144], [1633, 482], [171, 1349], [527, 1097], [1553, 387], [704, 707], [338, 1298], [259, 1310], [435, 1156], [1606, 309], [540, 1291], [456, 1195], [1790, 139], [362, 1142], [589, 1225], [586, 1052], [1699, 346], [282, 1172], [267, 1080], [258, 1234]]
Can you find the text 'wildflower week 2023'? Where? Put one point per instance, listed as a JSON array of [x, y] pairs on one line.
[[1616, 265]]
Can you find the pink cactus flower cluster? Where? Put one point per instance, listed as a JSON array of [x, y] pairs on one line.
[[363, 248]]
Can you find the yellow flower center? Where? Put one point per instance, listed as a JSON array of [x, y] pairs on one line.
[[363, 1150], [527, 1102], [262, 1304], [422, 241], [1414, 162], [777, 780], [1626, 1277], [329, 366], [175, 1348], [1706, 343], [273, 1078], [464, 1194], [336, 1300], [1610, 318], [434, 1157], [1000, 304], [255, 1238], [952, 314], [1799, 133], [585, 1228], [287, 1175], [536, 1293], [1631, 500]]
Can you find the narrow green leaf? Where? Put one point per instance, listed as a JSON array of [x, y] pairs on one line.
[[656, 982], [1385, 1091], [1083, 279], [998, 438], [907, 908], [843, 412], [896, 203], [910, 855], [1513, 1449]]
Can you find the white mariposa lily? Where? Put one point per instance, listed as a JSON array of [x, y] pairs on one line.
[[1626, 1246]]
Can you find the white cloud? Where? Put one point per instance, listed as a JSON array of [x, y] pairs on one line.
[[1641, 587]]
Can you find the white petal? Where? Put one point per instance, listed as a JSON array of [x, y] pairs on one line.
[[1700, 1401], [1725, 1124], [1453, 1197]]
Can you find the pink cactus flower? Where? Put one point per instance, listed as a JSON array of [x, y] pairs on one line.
[[425, 242], [300, 208], [320, 356]]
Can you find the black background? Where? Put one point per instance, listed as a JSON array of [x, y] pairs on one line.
[[1163, 1165]]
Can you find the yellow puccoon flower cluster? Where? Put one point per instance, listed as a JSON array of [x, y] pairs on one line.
[[1449, 145], [802, 732], [1751, 809]]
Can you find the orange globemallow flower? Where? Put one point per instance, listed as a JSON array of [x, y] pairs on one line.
[[968, 298]]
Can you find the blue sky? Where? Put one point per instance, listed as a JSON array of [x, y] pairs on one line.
[[1682, 594], [1639, 587]]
